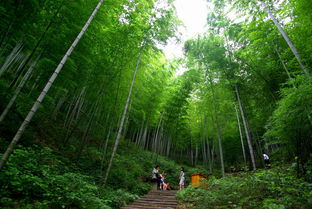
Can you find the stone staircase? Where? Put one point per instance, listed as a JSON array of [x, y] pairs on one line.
[[155, 200]]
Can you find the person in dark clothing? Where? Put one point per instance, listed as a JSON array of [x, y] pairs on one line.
[[156, 176]]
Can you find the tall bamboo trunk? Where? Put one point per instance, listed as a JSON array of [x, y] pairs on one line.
[[202, 137], [212, 154], [282, 61], [46, 89], [34, 86], [196, 154], [159, 143], [144, 140], [258, 147], [287, 39], [169, 146], [140, 140], [19, 88], [12, 57], [204, 153], [123, 115], [139, 134], [69, 110], [205, 160], [240, 133], [86, 134], [209, 156], [156, 139], [19, 63], [245, 122], [72, 116], [3, 43], [59, 104], [218, 127], [33, 51], [113, 117]]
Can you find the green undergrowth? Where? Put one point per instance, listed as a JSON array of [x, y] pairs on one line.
[[272, 189], [40, 177]]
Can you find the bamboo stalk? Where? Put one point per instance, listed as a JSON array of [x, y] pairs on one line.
[[42, 95], [124, 114]]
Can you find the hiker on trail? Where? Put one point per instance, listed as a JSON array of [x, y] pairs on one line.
[[266, 160], [182, 178], [156, 176]]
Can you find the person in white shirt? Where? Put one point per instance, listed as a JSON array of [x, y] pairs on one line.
[[156, 176], [155, 172], [266, 160], [182, 178]]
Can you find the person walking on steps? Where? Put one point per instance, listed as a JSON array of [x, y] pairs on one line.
[[182, 178]]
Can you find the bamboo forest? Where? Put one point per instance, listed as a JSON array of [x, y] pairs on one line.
[[97, 111]]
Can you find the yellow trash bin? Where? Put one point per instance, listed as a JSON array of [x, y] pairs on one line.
[[196, 178]]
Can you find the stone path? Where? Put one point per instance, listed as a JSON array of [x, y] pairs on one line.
[[155, 200]]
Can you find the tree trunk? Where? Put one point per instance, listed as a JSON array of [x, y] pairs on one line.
[[218, 127], [59, 104], [240, 133], [123, 115], [168, 147], [19, 88], [287, 39], [209, 156], [156, 135], [16, 51], [284, 66], [85, 136], [46, 89], [20, 61], [144, 144], [34, 86], [212, 154], [245, 122], [38, 42], [204, 153], [196, 154], [289, 76]]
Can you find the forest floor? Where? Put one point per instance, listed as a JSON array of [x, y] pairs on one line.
[[275, 188], [42, 177]]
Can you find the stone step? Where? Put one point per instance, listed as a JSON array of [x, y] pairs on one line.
[[162, 194], [157, 200], [153, 206], [159, 197], [139, 202], [147, 207], [144, 207], [166, 192]]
